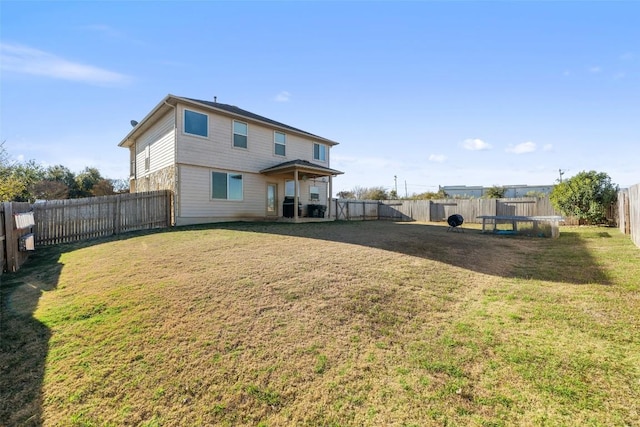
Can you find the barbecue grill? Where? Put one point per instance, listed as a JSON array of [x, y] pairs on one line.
[[455, 221]]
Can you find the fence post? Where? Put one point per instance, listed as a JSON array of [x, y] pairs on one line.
[[169, 197], [10, 238], [116, 216]]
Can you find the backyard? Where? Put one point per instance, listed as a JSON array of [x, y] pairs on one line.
[[326, 324]]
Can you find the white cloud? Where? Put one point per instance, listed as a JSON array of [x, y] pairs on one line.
[[620, 75], [438, 158], [595, 69], [525, 147], [283, 96], [475, 144], [547, 147], [566, 73], [627, 56], [27, 60]]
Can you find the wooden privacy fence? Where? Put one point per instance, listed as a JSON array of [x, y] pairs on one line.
[[439, 210], [64, 221], [629, 212], [12, 233]]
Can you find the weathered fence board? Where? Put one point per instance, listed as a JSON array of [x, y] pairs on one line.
[[12, 257], [441, 209], [64, 221], [634, 213]]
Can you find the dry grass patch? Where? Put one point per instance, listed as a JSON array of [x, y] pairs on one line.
[[369, 323]]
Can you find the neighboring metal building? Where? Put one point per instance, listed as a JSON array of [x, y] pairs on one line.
[[479, 191]]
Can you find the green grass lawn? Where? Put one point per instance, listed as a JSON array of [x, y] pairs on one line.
[[325, 324]]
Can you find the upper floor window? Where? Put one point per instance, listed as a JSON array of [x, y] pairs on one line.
[[240, 131], [320, 152], [196, 123], [226, 186], [280, 140], [147, 158]]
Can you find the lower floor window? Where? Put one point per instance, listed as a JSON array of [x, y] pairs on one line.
[[314, 193], [226, 186]]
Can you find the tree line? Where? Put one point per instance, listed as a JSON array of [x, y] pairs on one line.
[[29, 181], [380, 193], [586, 196]]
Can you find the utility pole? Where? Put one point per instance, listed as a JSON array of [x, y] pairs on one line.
[[561, 173], [395, 180], [406, 195]]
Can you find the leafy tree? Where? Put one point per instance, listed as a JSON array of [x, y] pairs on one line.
[[441, 194], [586, 196], [359, 192], [29, 181], [50, 190], [536, 194], [495, 192], [10, 185], [28, 174], [62, 174], [346, 195], [375, 193], [104, 187], [364, 193], [86, 180]]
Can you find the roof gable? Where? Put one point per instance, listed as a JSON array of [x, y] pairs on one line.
[[172, 100], [239, 112]]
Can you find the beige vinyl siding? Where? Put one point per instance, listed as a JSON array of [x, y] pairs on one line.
[[217, 150], [197, 206], [198, 157], [305, 191], [160, 138]]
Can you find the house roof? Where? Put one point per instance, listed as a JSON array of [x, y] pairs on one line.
[[303, 166], [171, 101]]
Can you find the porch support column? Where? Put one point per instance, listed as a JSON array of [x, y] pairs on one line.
[[330, 196], [295, 195]]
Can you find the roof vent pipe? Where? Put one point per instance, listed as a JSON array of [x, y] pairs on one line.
[[215, 99]]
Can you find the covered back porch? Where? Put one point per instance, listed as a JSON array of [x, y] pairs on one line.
[[315, 206]]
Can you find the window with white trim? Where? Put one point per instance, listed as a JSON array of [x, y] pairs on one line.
[[226, 186], [196, 123], [147, 158], [280, 141], [314, 193], [320, 152], [240, 132], [289, 188]]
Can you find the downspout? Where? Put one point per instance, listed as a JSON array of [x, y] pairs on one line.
[[176, 194]]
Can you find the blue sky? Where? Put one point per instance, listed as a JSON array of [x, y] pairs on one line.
[[435, 93]]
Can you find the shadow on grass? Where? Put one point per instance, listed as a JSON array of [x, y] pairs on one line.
[[566, 259], [24, 341]]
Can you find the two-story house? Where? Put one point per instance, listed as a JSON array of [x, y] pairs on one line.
[[223, 163]]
